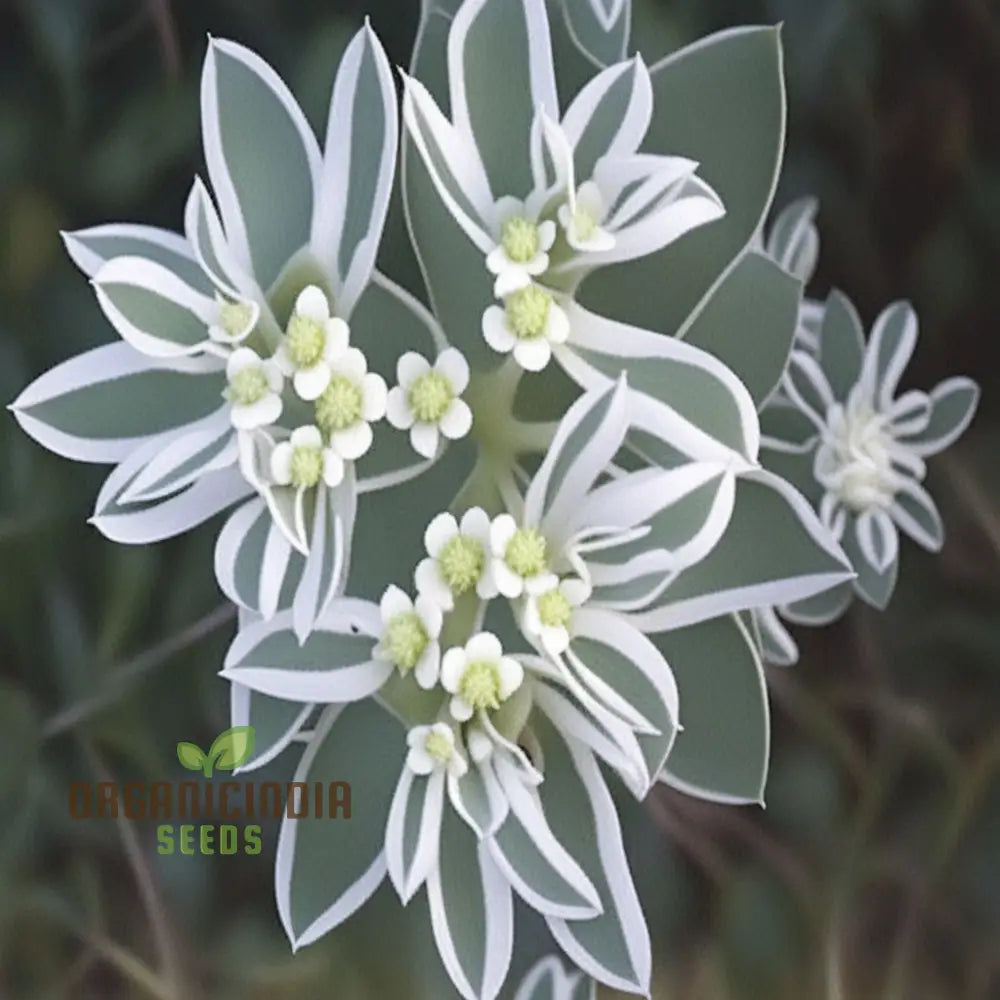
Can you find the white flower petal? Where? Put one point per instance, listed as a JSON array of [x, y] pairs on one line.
[[426, 670], [512, 278], [424, 438], [410, 367], [453, 665], [502, 530], [310, 383], [397, 409], [442, 529], [452, 365], [281, 463], [312, 304], [427, 580], [352, 442], [394, 602], [457, 421], [338, 339], [242, 357], [532, 355], [333, 468], [460, 709], [307, 436], [496, 332], [483, 646], [419, 760], [511, 676]]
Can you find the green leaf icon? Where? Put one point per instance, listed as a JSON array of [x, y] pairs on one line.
[[190, 756], [232, 748]]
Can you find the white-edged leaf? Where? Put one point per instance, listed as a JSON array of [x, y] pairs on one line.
[[208, 241], [92, 248], [333, 664], [358, 167], [326, 868], [877, 539], [413, 830], [614, 947], [275, 722], [329, 555], [793, 242], [609, 116], [588, 437], [953, 405], [257, 144], [541, 870], [841, 344], [914, 510], [794, 558], [207, 447], [102, 404], [501, 43], [478, 798], [777, 645], [677, 392], [152, 309], [472, 912], [548, 980], [722, 753], [599, 28], [890, 347]]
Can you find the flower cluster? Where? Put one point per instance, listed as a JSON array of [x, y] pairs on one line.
[[603, 523]]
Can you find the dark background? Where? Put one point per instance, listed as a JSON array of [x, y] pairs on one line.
[[875, 871]]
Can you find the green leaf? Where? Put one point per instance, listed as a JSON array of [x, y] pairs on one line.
[[190, 756], [822, 609], [721, 102], [749, 323], [274, 722], [326, 868], [841, 344], [232, 748], [871, 586], [603, 39], [722, 752]]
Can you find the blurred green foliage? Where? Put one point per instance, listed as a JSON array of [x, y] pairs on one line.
[[875, 871]]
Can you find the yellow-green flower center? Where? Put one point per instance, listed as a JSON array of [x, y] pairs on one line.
[[405, 640], [528, 312], [248, 386], [554, 611], [480, 685], [519, 239], [439, 747], [307, 465], [526, 552], [584, 224], [430, 396], [234, 317], [461, 562], [340, 405], [306, 340]]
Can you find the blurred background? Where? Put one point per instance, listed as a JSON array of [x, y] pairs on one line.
[[875, 870]]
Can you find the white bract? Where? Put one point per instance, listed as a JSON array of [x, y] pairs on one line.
[[427, 402], [410, 633], [313, 343]]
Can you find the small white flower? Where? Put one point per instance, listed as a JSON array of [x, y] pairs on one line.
[[410, 634], [303, 461], [458, 558], [520, 559], [253, 390], [234, 322], [426, 402], [353, 399], [478, 676], [548, 616], [527, 325], [312, 343], [522, 252], [433, 748], [581, 218]]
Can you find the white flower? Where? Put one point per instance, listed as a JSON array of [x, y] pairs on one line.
[[478, 676], [253, 390], [303, 461], [313, 341], [433, 748], [548, 616], [410, 633], [234, 322], [426, 402], [522, 249], [458, 558], [529, 324], [353, 399], [520, 558], [581, 218]]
